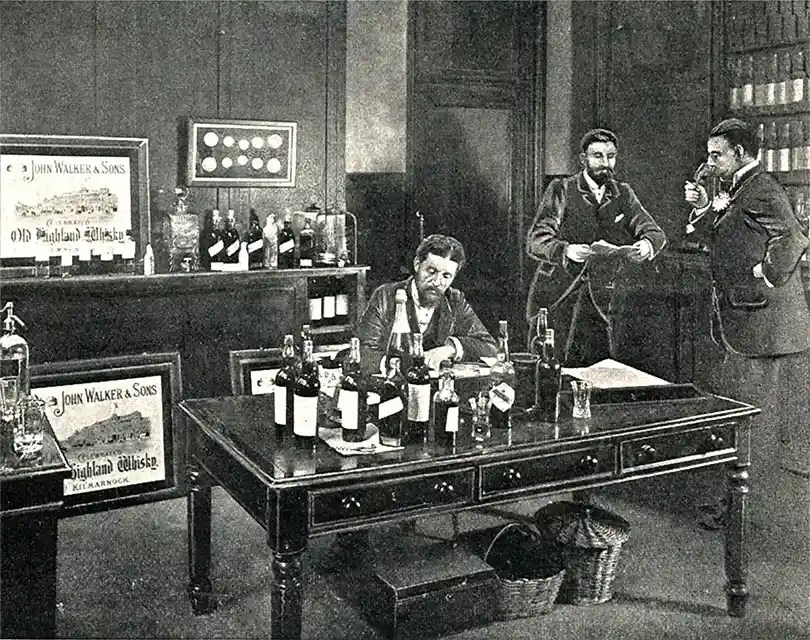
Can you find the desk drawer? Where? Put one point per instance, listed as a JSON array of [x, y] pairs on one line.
[[394, 496], [547, 471], [690, 446]]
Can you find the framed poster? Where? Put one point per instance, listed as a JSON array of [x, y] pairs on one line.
[[72, 197], [253, 371], [241, 153], [116, 422]]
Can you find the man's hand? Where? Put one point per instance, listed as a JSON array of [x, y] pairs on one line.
[[434, 357], [641, 250], [695, 195], [578, 252]]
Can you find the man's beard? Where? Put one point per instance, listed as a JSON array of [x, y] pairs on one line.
[[601, 176], [429, 297]]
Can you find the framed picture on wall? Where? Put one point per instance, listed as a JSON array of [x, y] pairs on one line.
[[241, 153], [253, 371], [72, 199], [116, 422]]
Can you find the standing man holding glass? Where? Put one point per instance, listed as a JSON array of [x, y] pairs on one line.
[[760, 312]]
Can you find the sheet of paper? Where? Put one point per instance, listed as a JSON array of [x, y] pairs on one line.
[[369, 446], [605, 248], [611, 374]]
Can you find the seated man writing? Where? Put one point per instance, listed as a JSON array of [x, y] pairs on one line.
[[449, 327]]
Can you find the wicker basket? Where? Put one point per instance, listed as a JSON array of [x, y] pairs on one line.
[[522, 597], [592, 540]]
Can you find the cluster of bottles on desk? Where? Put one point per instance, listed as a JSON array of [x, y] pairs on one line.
[[223, 248], [407, 412]]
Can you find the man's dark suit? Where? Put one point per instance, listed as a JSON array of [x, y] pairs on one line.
[[578, 295], [758, 226], [453, 317]]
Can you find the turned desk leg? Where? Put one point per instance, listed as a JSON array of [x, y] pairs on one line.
[[199, 545], [736, 555], [285, 599]]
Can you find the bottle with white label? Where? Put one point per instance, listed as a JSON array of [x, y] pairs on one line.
[[341, 301], [353, 397], [148, 261], [305, 400], [306, 243], [549, 381], [244, 259], [286, 244], [418, 377], [502, 382], [270, 233], [445, 408], [391, 412], [329, 302], [215, 245], [231, 239], [255, 242], [283, 387]]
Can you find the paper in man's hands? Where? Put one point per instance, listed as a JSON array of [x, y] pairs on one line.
[[605, 248]]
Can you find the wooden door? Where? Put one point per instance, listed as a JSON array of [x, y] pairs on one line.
[[474, 114]]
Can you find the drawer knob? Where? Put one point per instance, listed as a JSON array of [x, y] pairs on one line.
[[444, 488], [646, 453], [714, 442], [350, 503], [511, 477], [589, 463]]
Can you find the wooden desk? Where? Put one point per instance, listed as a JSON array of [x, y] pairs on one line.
[[296, 495], [30, 499]]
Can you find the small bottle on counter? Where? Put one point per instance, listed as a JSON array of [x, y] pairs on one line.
[[445, 408], [391, 412], [305, 400], [286, 244], [549, 381], [418, 377], [270, 235], [255, 243], [502, 382], [283, 388], [353, 396]]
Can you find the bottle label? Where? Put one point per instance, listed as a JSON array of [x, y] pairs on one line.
[[280, 404], [305, 416], [287, 246], [451, 426], [315, 309], [66, 260], [770, 160], [349, 408], [418, 402], [502, 396], [329, 306], [233, 248], [390, 407], [306, 262], [734, 98], [256, 245], [798, 90], [782, 92], [748, 94], [85, 253], [342, 304], [806, 157], [784, 159], [215, 248], [770, 94]]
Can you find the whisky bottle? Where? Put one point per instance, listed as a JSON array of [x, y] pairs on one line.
[[735, 83], [329, 302], [805, 152], [783, 85], [772, 79], [306, 244], [212, 245], [796, 147], [391, 413], [286, 244], [231, 239], [13, 358], [305, 400], [315, 300], [341, 301], [761, 80], [270, 236], [353, 397], [445, 408], [539, 337], [283, 389], [747, 97], [255, 242], [770, 148], [549, 380], [418, 378], [400, 339], [502, 382], [784, 148], [798, 77]]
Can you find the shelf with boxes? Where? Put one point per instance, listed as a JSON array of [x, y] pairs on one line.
[[766, 55]]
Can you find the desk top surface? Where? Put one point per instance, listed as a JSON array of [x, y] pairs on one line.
[[243, 427]]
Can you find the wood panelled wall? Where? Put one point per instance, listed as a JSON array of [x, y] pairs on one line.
[[141, 68]]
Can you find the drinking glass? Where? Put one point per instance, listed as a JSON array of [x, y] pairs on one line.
[[582, 398], [30, 429]]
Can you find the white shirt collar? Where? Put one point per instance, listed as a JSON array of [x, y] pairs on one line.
[[597, 190], [740, 173]]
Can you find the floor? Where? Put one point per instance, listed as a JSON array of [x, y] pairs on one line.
[[122, 574]]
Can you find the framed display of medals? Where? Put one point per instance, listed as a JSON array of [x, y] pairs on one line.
[[241, 153]]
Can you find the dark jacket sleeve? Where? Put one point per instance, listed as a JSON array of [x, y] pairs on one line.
[[375, 327], [542, 242], [469, 330], [787, 238], [641, 223]]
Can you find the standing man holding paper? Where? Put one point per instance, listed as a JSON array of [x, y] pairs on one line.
[[586, 226]]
